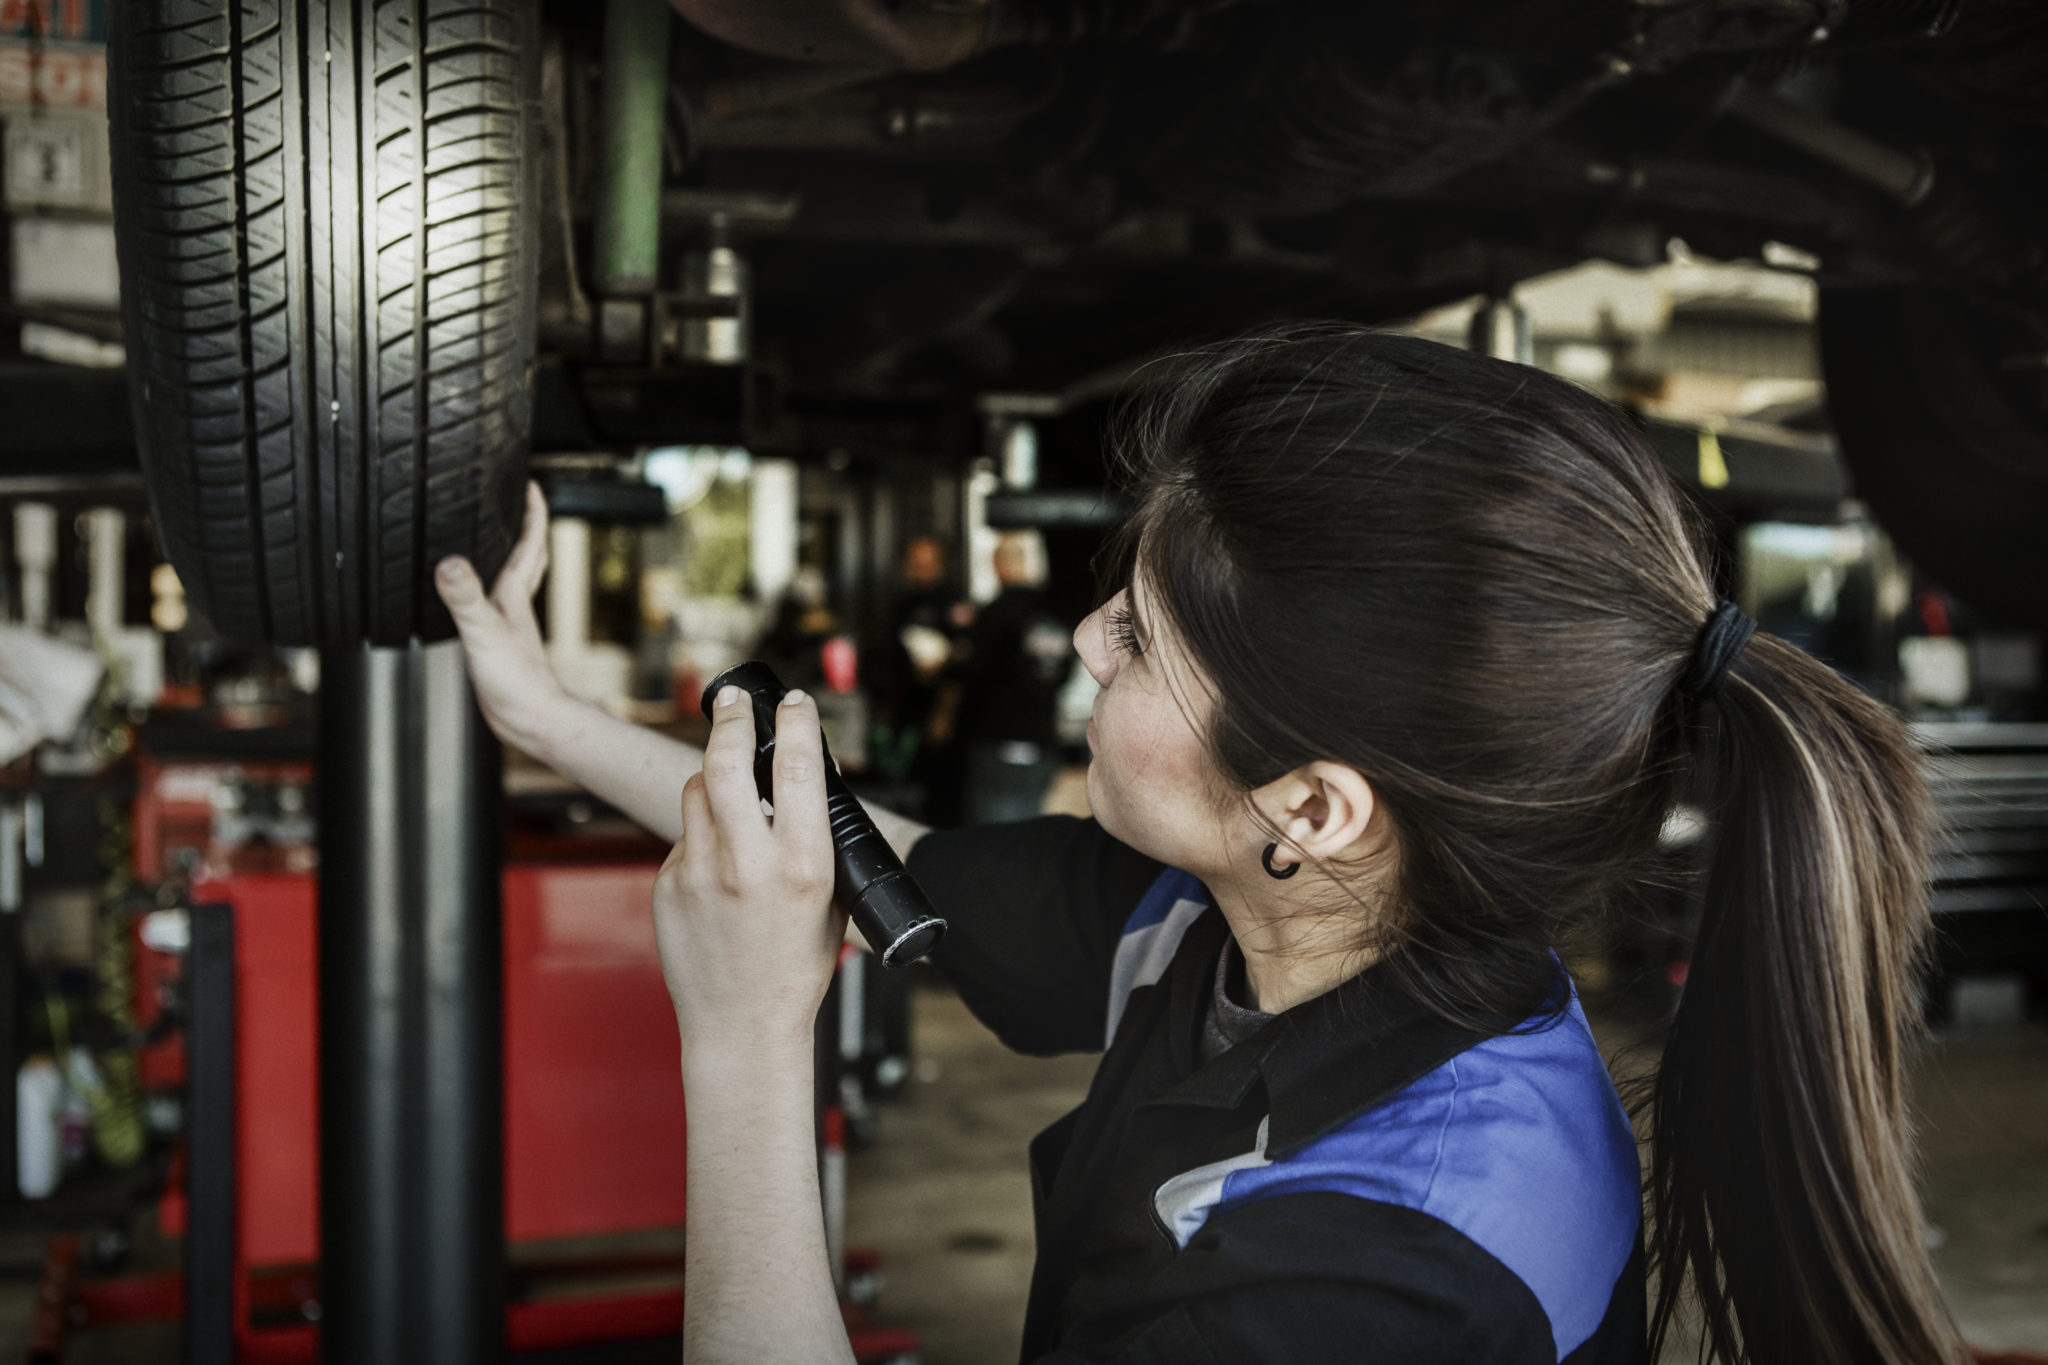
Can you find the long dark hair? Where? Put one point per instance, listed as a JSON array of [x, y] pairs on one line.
[[1473, 582]]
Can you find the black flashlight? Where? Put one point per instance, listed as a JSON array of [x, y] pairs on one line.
[[885, 902]]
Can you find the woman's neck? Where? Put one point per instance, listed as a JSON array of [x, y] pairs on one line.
[[1292, 951]]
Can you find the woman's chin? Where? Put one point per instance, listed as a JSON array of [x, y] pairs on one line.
[[1114, 820], [1099, 804]]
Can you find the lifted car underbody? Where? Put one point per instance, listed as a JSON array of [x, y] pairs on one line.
[[870, 226], [900, 210], [938, 200]]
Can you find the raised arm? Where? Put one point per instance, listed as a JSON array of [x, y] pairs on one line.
[[628, 766]]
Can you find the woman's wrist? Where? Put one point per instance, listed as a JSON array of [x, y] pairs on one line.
[[542, 723], [749, 1055]]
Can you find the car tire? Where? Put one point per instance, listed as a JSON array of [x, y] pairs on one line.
[[1940, 401], [325, 219]]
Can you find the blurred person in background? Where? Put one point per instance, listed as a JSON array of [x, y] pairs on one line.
[[916, 695], [1016, 656], [795, 640]]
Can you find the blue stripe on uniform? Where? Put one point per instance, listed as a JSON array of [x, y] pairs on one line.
[[1171, 885], [1519, 1143], [1151, 937]]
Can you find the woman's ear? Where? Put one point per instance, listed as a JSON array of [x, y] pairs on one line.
[[1322, 808]]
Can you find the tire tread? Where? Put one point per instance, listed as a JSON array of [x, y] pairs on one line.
[[328, 399]]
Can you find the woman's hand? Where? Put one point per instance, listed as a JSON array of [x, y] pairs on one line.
[[743, 907], [508, 664], [743, 916]]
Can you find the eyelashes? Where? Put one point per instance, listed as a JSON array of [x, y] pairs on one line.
[[1123, 632]]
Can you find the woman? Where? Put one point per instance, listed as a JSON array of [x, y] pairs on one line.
[[1438, 630]]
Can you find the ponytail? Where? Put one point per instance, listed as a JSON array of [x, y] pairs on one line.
[[1780, 1182]]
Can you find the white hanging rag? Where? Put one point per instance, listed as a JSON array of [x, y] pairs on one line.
[[45, 686]]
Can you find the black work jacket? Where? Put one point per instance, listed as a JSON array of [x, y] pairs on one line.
[[1358, 1181]]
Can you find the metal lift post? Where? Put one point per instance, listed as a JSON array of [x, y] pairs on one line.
[[412, 1239]]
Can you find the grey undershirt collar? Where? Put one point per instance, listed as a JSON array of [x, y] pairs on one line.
[[1228, 1023]]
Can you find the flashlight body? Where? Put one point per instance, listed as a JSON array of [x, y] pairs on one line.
[[869, 881]]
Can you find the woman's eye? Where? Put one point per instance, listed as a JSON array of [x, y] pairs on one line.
[[1123, 634]]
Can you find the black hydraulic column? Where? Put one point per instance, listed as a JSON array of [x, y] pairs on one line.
[[210, 1137], [462, 1212], [412, 1246], [10, 1059], [13, 895]]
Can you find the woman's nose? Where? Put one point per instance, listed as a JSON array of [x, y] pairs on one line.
[[1091, 642]]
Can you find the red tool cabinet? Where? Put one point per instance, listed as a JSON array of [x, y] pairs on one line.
[[593, 1085], [594, 1121], [593, 1098]]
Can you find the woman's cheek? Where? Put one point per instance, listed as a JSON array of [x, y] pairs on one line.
[[1130, 782], [1109, 777]]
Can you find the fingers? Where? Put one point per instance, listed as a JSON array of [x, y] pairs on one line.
[[802, 831], [463, 592], [729, 769], [528, 562], [700, 836]]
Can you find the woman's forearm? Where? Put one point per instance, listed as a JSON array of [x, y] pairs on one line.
[[637, 770], [640, 771], [756, 1282]]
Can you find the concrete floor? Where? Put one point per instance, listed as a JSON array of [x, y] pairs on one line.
[[1982, 1098], [945, 1195]]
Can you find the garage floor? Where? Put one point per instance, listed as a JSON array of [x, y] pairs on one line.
[[945, 1196]]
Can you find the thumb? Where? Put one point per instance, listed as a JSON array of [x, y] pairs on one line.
[[463, 592]]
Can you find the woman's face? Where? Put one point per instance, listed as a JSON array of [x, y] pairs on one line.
[[1153, 783]]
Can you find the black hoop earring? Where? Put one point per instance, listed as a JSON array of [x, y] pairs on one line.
[[1275, 873]]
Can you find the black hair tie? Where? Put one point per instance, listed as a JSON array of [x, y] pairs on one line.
[[1727, 631]]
